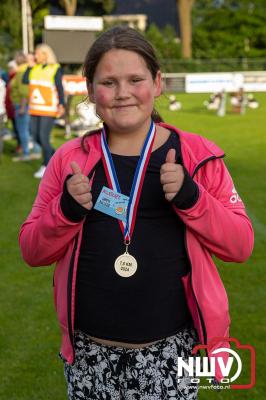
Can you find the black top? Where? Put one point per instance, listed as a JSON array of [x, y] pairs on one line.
[[151, 304]]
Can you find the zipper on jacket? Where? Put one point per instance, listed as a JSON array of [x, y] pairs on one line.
[[203, 326], [94, 168], [204, 162], [201, 317], [196, 301], [185, 237], [70, 275], [201, 163], [69, 292], [199, 310], [200, 313]]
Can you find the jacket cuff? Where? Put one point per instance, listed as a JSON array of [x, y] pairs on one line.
[[71, 209], [188, 194]]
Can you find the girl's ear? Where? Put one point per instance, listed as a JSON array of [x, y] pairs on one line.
[[90, 92], [158, 84]]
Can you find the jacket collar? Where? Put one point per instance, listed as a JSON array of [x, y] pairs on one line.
[[196, 150]]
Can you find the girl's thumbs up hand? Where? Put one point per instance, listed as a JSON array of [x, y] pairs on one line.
[[75, 168], [78, 187], [171, 175]]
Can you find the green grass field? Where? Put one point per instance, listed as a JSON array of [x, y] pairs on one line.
[[29, 334]]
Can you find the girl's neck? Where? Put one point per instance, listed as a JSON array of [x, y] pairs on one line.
[[131, 144], [127, 143]]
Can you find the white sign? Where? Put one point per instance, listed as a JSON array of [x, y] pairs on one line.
[[213, 82], [255, 81], [56, 22]]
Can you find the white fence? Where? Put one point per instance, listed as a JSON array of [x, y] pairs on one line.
[[209, 82]]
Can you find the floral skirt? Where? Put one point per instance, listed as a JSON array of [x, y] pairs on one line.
[[115, 373]]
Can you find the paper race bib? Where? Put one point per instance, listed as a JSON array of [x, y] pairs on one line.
[[112, 203]]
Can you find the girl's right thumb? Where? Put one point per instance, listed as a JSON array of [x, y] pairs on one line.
[[75, 168], [170, 156]]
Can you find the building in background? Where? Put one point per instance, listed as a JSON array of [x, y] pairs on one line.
[[159, 12], [69, 36]]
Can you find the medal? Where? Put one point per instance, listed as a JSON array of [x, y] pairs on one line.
[[126, 265]]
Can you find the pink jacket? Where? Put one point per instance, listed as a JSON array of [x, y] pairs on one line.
[[216, 225]]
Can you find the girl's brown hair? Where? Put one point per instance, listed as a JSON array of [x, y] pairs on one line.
[[119, 37], [125, 38]]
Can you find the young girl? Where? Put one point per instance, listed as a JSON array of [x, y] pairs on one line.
[[132, 214]]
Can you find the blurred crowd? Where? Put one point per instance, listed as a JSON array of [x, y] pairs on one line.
[[31, 97], [32, 101]]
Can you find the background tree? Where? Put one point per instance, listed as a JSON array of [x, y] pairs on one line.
[[11, 26], [69, 6], [184, 8], [37, 10], [229, 29], [85, 7], [10, 29], [107, 5], [165, 43]]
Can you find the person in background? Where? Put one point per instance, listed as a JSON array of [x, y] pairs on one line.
[[36, 149], [3, 75], [10, 108], [46, 99], [2, 111], [2, 101], [135, 292], [31, 59], [19, 96]]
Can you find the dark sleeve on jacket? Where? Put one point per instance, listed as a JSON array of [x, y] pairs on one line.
[[59, 86], [188, 194], [71, 209], [26, 76]]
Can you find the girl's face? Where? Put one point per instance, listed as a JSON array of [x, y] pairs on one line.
[[123, 90]]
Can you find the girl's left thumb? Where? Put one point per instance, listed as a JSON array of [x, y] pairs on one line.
[[170, 157]]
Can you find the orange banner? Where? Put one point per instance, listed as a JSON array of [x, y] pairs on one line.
[[74, 85]]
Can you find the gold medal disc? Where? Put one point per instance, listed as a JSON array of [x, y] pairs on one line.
[[126, 265]]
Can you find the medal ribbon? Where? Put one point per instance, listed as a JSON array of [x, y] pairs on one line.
[[128, 227]]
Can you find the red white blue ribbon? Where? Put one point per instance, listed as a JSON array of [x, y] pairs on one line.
[[128, 227]]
